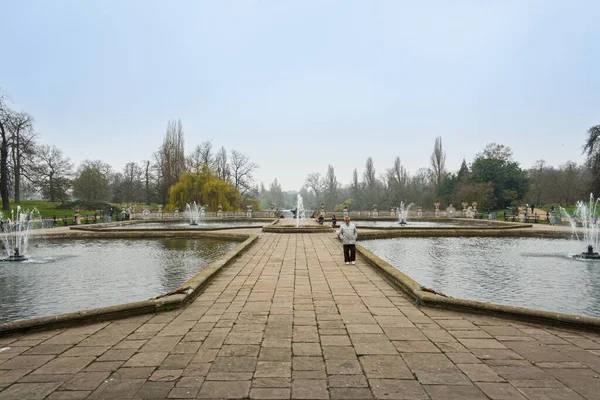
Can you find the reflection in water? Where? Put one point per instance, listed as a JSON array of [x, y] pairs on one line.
[[525, 272], [65, 276], [180, 225], [410, 224]]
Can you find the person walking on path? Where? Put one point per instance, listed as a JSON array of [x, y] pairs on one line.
[[348, 235]]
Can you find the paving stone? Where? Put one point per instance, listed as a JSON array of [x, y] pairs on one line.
[[482, 344], [29, 390], [550, 394], [273, 369], [11, 376], [500, 391], [397, 389], [339, 353], [183, 393], [220, 390], [308, 364], [176, 361], [463, 358], [380, 347], [48, 349], [234, 364], [434, 369], [385, 367], [229, 376], [270, 393], [418, 346], [69, 395], [117, 389], [165, 375], [103, 366], [309, 389], [154, 390], [586, 382], [343, 367], [146, 359], [117, 355], [350, 393], [275, 354], [347, 381], [445, 392], [237, 350], [190, 381], [64, 365], [272, 382], [79, 351], [27, 362], [86, 381], [306, 349], [479, 373]]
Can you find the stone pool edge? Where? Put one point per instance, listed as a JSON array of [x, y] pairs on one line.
[[421, 298], [190, 290]]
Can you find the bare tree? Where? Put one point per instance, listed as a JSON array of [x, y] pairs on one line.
[[370, 178], [4, 113], [202, 156], [316, 183], [147, 183], [438, 163], [276, 193], [241, 172], [21, 141], [331, 188], [170, 158], [52, 173], [222, 165], [132, 182]]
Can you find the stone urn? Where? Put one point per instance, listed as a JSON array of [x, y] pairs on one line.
[[437, 209], [375, 213], [159, 213], [248, 211], [220, 211], [393, 212], [345, 211], [272, 210], [464, 210], [450, 210]]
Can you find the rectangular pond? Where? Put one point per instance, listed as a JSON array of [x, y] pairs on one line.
[[185, 225], [67, 275], [525, 272], [409, 224]]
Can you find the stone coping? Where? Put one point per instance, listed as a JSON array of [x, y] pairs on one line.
[[278, 227], [413, 289], [179, 297]]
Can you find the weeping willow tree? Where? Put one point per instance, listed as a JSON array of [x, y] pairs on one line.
[[204, 187]]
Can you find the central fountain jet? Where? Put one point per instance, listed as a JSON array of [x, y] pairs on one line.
[[403, 213], [299, 210], [194, 212]]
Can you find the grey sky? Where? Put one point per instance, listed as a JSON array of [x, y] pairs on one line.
[[300, 85]]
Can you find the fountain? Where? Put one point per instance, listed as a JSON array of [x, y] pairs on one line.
[[403, 213], [194, 212], [588, 218], [299, 210], [15, 232]]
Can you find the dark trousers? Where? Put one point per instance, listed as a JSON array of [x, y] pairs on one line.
[[349, 252]]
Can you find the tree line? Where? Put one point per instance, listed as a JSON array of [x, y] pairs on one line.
[[493, 179], [29, 168]]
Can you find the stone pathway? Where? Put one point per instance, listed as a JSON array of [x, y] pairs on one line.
[[290, 320]]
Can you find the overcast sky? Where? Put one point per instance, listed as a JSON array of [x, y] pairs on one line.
[[300, 85]]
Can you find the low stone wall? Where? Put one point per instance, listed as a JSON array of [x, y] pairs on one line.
[[413, 289], [179, 297]]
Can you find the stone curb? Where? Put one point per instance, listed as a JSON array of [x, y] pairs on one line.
[[190, 289], [517, 231], [413, 289]]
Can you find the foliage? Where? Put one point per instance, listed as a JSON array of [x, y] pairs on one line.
[[204, 188], [480, 192], [592, 151], [495, 165], [91, 185]]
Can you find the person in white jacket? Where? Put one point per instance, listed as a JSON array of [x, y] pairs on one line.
[[348, 235]]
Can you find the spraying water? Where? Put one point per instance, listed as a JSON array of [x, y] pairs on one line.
[[299, 210], [194, 212], [15, 232], [403, 213], [587, 217]]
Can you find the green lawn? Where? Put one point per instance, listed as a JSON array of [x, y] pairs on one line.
[[48, 209]]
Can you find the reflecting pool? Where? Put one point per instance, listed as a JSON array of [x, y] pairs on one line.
[[525, 272], [409, 224], [70, 275], [185, 225]]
